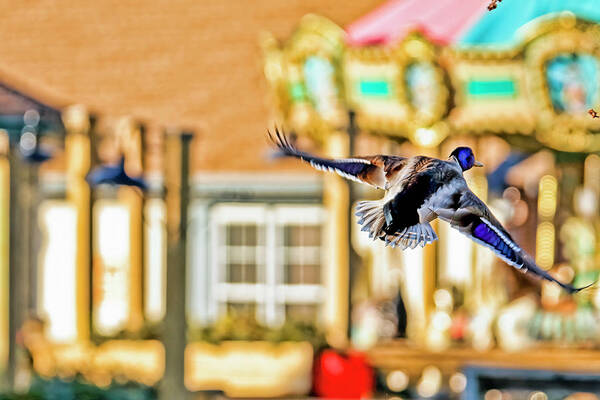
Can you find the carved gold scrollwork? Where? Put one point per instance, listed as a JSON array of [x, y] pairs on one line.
[[305, 74], [561, 130]]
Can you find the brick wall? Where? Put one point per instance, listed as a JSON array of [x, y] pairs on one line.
[[193, 62]]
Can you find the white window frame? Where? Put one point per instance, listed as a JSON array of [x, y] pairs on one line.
[[270, 294]]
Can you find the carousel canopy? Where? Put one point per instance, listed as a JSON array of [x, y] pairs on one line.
[[533, 86], [501, 27], [442, 21], [462, 23]]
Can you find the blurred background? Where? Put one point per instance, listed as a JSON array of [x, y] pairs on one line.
[[151, 247]]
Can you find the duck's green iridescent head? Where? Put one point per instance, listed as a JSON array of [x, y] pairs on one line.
[[465, 158]]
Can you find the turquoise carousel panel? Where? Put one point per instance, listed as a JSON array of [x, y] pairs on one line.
[[421, 84], [319, 77], [573, 82]]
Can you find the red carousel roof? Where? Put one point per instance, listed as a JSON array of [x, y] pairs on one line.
[[442, 21]]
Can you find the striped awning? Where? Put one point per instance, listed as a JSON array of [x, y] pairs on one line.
[[461, 23]]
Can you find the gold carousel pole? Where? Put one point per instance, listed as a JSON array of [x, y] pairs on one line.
[[130, 136], [78, 153], [336, 199]]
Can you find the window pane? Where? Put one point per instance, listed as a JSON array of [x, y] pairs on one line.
[[293, 273], [235, 273], [241, 273], [302, 254], [303, 274], [311, 274], [301, 312], [241, 253], [242, 235], [302, 235]]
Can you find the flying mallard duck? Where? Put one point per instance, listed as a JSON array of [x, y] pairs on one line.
[[418, 190]]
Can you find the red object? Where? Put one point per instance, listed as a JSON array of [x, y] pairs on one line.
[[459, 325], [441, 21], [343, 376]]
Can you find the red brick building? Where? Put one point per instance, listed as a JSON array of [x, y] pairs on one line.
[[172, 62]]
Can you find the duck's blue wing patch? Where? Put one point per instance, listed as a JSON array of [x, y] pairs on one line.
[[497, 241], [472, 218]]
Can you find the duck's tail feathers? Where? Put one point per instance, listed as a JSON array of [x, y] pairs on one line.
[[371, 218], [413, 236], [574, 290], [530, 266]]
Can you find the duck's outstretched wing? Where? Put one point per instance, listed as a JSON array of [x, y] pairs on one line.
[[473, 218], [374, 170]]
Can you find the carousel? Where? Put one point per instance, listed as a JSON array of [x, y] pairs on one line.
[[420, 77]]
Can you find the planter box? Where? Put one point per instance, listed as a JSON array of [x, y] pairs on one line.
[[250, 369], [140, 361]]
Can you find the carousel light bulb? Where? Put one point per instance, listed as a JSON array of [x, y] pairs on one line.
[[27, 142], [538, 396], [544, 254], [520, 213], [430, 382], [565, 273], [397, 380], [441, 321], [547, 196], [512, 194], [31, 117], [493, 394], [458, 382], [442, 299], [586, 202], [425, 137]]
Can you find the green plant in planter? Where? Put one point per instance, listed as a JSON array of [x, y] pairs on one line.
[[148, 331], [244, 326]]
